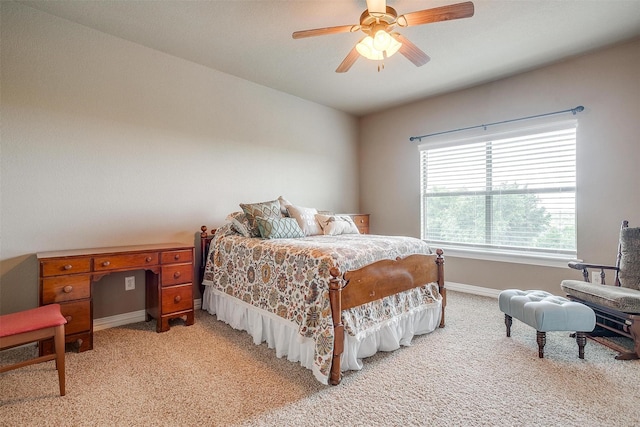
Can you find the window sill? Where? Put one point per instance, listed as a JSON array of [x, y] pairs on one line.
[[559, 261]]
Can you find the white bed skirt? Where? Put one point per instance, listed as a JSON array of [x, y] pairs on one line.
[[282, 335]]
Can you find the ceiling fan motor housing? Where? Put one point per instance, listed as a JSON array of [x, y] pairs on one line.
[[388, 18]]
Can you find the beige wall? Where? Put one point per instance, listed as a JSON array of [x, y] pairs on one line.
[[606, 83], [105, 142]]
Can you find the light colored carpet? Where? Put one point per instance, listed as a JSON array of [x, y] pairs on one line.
[[467, 374]]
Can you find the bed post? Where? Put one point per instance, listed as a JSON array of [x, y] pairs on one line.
[[205, 240], [441, 288], [335, 298]]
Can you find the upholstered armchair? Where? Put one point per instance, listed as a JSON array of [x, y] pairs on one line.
[[617, 305]]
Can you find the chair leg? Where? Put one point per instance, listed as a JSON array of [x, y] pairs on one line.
[[508, 321], [542, 340], [59, 345], [581, 339]]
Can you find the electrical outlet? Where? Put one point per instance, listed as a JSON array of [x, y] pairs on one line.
[[129, 283]]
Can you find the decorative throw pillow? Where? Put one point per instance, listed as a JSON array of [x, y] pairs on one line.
[[283, 205], [334, 225], [630, 258], [269, 209], [279, 228], [306, 218], [240, 223]]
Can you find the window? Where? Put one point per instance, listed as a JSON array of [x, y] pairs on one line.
[[508, 192]]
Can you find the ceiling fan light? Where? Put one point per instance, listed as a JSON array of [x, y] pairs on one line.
[[381, 40], [394, 46], [366, 49]]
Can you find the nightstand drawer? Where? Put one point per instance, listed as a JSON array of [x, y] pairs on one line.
[[66, 288], [58, 267], [177, 274], [177, 298], [176, 256], [362, 222]]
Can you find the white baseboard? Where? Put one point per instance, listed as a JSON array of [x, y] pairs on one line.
[[126, 318], [470, 289]]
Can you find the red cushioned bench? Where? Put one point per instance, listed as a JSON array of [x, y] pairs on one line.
[[34, 325]]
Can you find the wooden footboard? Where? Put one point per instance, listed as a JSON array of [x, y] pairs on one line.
[[376, 281], [372, 282]]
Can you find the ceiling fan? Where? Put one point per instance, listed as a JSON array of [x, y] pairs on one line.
[[378, 22]]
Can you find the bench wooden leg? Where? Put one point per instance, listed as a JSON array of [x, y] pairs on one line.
[[508, 321], [581, 339], [542, 340]]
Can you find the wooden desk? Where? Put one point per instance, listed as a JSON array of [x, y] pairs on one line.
[[66, 276]]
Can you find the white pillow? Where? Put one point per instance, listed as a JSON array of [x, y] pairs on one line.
[[306, 218], [334, 225]]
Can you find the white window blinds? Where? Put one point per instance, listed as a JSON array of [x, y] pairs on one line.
[[511, 191]]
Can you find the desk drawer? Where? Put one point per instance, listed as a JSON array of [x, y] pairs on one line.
[[66, 288], [173, 257], [115, 262], [177, 298], [58, 267], [78, 315], [177, 274]]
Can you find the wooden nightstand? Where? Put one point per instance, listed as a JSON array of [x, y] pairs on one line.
[[362, 222]]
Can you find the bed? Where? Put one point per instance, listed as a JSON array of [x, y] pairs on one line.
[[325, 301]]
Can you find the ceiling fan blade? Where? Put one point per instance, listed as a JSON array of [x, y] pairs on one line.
[[437, 14], [348, 61], [324, 31], [411, 51], [376, 6]]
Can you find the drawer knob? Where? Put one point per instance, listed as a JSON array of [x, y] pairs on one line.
[[176, 274], [67, 289], [106, 264], [177, 299], [69, 318], [176, 257], [148, 259], [68, 267]]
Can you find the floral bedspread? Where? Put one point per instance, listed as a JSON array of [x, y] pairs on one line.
[[290, 278]]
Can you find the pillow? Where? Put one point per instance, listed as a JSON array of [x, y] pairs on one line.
[[334, 225], [279, 228], [283, 205], [240, 223], [269, 209], [306, 218]]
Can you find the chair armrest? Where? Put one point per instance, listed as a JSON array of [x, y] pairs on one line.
[[584, 267]]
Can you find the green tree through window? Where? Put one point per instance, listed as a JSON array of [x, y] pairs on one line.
[[514, 194]]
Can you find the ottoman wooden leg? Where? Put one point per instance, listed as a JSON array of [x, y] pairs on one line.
[[508, 321], [542, 340], [581, 339]]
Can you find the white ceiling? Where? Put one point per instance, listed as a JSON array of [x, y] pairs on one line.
[[252, 40]]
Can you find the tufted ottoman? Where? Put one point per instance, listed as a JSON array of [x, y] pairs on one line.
[[546, 312]]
